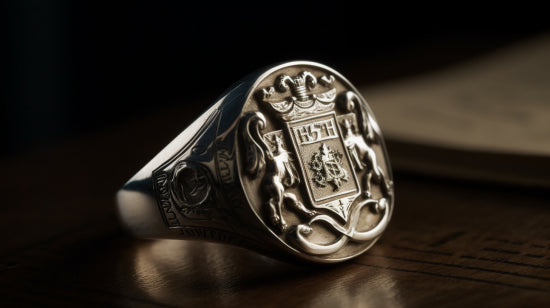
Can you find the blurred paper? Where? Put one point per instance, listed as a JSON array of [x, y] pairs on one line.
[[488, 119]]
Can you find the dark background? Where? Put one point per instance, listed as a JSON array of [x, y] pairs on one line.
[[73, 68]]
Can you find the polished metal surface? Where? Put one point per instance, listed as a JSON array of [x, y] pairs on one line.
[[290, 163]]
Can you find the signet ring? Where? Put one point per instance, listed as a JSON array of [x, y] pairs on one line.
[[289, 163]]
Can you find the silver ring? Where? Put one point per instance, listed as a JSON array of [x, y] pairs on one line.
[[290, 163]]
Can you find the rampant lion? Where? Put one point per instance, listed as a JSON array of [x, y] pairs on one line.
[[361, 153], [280, 172]]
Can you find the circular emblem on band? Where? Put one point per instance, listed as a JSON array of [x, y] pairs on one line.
[[314, 164], [190, 184]]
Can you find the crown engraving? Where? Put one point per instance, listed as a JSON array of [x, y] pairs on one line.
[[298, 85], [308, 95]]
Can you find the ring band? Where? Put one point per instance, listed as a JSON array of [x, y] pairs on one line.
[[290, 163]]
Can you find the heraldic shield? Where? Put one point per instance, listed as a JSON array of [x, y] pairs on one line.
[[316, 167]]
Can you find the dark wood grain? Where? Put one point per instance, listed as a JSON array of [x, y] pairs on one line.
[[449, 243]]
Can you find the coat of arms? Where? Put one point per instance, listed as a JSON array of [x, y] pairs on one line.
[[316, 160]]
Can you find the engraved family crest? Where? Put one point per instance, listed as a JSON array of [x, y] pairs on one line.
[[309, 159]]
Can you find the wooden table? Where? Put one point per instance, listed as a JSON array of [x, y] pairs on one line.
[[449, 243]]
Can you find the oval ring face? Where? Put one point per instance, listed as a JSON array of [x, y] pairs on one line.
[[313, 162]]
